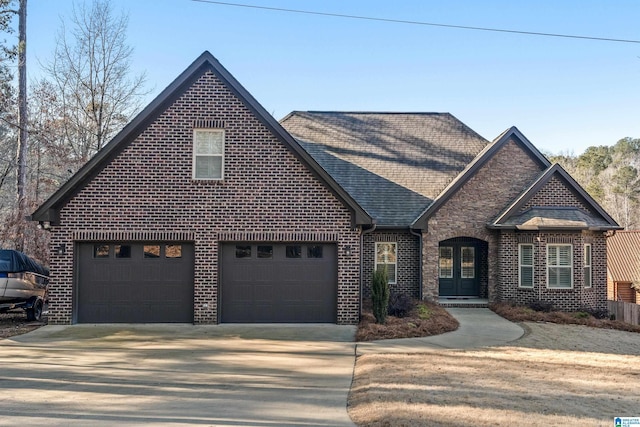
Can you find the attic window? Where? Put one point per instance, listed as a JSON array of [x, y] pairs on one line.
[[208, 154]]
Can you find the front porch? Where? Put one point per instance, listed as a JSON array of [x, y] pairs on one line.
[[463, 302]]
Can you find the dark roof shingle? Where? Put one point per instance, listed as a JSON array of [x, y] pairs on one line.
[[392, 164]]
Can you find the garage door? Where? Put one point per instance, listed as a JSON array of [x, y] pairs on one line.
[[135, 283], [278, 283]]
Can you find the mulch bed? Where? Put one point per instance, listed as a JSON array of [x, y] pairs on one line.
[[424, 320]]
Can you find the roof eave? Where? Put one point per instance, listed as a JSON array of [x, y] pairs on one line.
[[204, 61], [102, 156], [550, 228]]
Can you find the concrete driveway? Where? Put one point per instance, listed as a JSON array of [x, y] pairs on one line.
[[227, 375]]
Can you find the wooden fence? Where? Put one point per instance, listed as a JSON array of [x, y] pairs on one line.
[[625, 311]]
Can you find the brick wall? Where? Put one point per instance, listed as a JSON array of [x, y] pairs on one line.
[[567, 299], [408, 263], [148, 188], [468, 211], [555, 193]]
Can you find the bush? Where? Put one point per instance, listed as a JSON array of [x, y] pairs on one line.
[[400, 305], [598, 313], [423, 312], [380, 295], [539, 305]]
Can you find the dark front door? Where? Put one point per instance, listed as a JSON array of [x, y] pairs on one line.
[[458, 269]]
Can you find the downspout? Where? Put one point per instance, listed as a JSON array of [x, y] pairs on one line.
[[607, 234], [419, 235], [367, 231]]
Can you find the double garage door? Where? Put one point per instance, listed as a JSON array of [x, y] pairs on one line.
[[259, 283]]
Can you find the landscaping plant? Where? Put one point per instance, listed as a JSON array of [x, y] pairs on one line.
[[380, 295]]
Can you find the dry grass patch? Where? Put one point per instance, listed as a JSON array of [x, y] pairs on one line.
[[568, 369], [502, 386], [518, 313], [425, 319]]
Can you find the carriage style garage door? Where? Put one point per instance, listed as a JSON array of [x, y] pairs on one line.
[[278, 283], [135, 283]]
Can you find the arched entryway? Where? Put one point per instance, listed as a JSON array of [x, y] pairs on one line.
[[463, 267]]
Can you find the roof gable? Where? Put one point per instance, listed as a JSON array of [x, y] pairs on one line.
[[511, 134], [392, 164], [48, 211], [517, 215]]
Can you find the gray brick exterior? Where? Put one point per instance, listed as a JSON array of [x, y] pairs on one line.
[[141, 190], [472, 207], [408, 265], [572, 299], [481, 199], [146, 193]]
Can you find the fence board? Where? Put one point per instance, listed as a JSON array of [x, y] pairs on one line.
[[625, 311]]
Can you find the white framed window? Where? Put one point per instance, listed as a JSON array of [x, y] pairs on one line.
[[387, 255], [208, 154], [525, 265], [587, 266], [445, 262], [560, 266]]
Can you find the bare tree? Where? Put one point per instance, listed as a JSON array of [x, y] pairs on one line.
[[90, 73], [8, 128], [21, 181]]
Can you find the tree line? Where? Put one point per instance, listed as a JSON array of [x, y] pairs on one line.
[[610, 175], [84, 94]]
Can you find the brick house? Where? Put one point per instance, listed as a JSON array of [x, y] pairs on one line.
[[623, 266], [205, 209]]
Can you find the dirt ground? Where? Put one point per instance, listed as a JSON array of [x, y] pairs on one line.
[[554, 375], [15, 322]]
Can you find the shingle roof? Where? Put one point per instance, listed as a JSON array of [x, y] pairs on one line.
[[623, 256], [545, 217], [392, 164]]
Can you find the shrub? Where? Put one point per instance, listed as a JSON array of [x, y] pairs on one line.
[[423, 312], [380, 295], [539, 305], [598, 313], [400, 304]]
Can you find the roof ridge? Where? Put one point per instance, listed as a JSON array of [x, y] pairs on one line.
[[372, 112]]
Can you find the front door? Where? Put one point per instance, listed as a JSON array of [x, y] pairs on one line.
[[458, 269]]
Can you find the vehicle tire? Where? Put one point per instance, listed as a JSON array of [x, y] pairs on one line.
[[34, 314]]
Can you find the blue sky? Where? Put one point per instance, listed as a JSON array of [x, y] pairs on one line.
[[563, 94]]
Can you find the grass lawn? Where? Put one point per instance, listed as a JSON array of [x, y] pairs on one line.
[[561, 372]]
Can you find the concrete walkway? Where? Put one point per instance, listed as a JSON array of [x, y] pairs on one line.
[[226, 375], [479, 327]]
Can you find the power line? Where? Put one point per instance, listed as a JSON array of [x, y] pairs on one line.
[[430, 24]]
